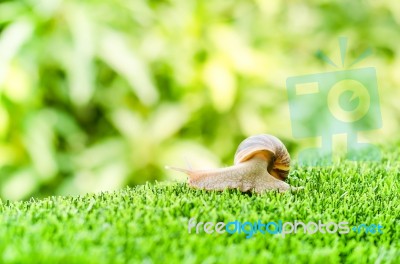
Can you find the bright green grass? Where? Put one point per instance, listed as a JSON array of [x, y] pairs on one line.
[[149, 223]]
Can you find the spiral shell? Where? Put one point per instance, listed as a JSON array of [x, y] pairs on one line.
[[266, 147]]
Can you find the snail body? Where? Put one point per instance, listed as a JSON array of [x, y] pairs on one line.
[[261, 163]]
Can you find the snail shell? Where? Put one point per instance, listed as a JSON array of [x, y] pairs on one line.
[[268, 147], [261, 163]]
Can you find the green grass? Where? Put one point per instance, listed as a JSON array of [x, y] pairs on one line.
[[149, 223]]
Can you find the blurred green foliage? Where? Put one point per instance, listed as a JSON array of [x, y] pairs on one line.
[[96, 95]]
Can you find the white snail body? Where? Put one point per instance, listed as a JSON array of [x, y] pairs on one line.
[[261, 163]]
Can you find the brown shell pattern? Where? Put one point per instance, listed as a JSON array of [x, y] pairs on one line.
[[269, 148]]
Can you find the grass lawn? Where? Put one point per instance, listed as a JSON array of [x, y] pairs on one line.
[[149, 223]]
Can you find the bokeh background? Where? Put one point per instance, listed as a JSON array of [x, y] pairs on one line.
[[97, 95]]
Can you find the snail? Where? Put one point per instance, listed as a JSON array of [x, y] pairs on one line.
[[261, 163]]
